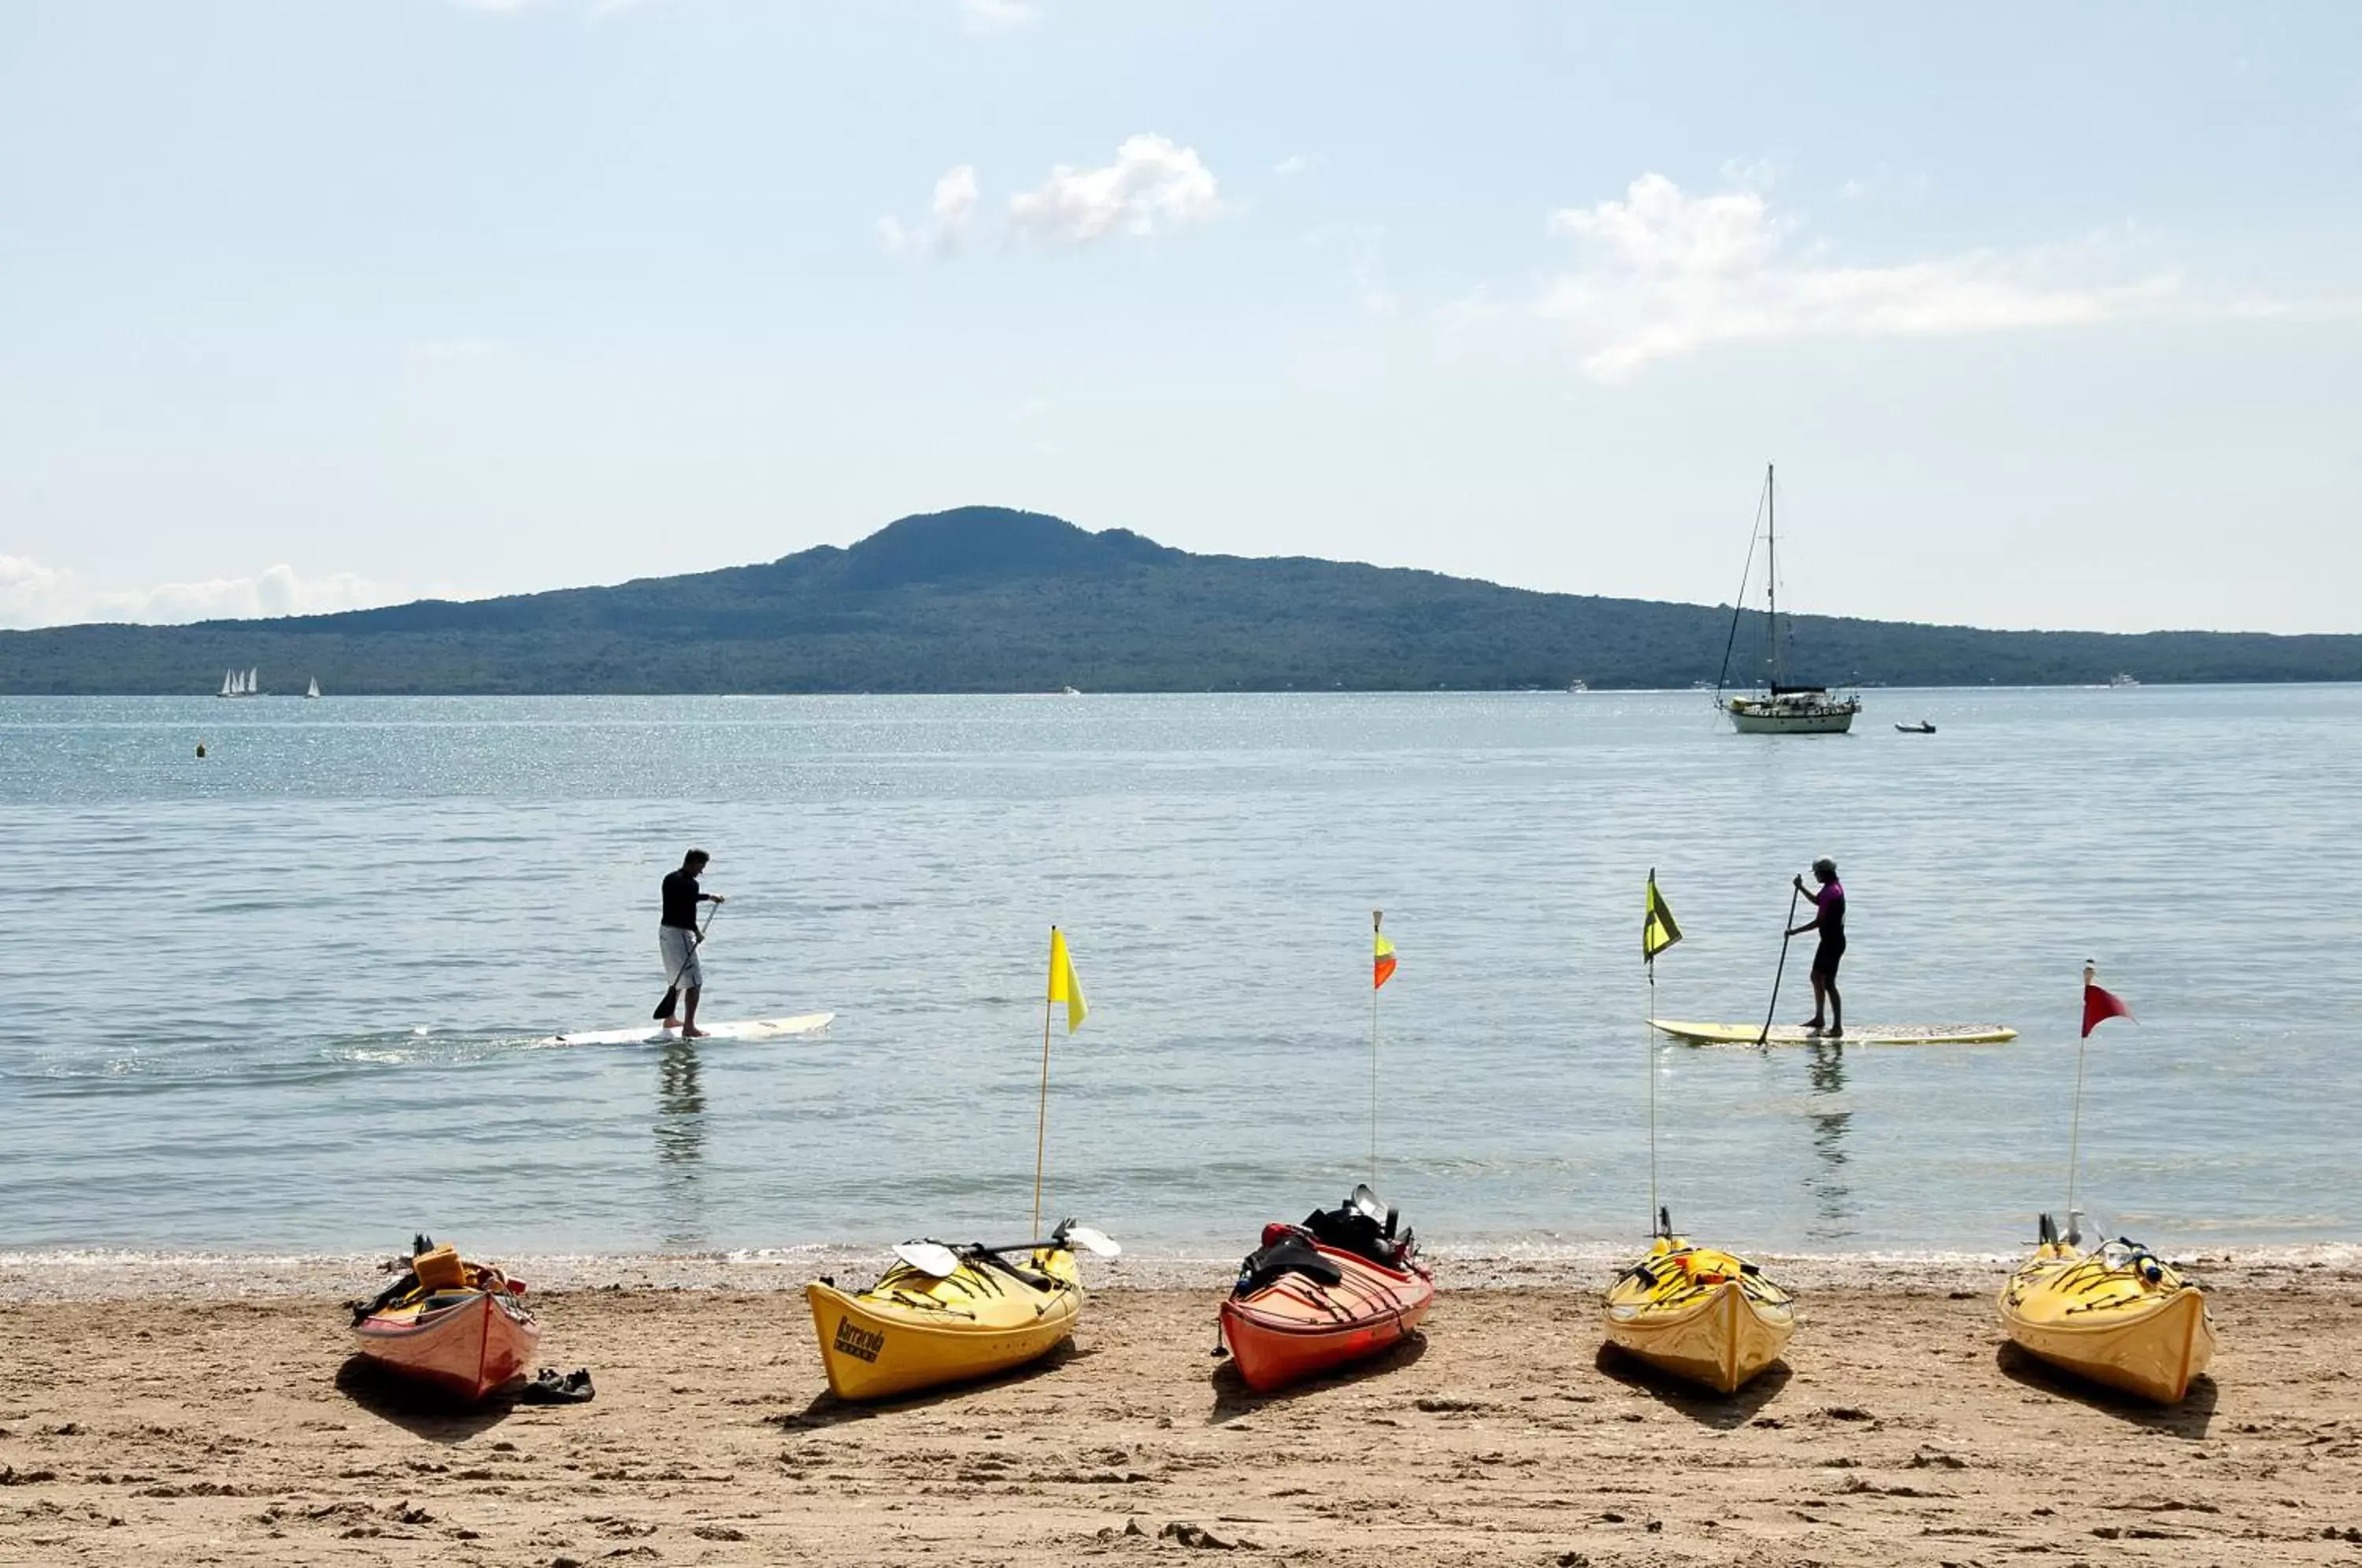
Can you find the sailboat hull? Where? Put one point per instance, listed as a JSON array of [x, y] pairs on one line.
[[1761, 716]]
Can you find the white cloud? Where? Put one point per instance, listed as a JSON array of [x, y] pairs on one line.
[[996, 16], [1152, 187], [1662, 273], [948, 217], [1293, 163], [34, 595]]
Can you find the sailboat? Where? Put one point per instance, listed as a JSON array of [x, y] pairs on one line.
[[1777, 708], [312, 689], [237, 683]]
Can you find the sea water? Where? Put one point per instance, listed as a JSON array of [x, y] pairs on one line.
[[290, 997]]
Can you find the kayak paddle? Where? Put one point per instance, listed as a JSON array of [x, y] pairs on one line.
[[937, 1260]]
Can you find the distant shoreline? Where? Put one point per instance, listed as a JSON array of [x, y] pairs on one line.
[[234, 705], [986, 598]]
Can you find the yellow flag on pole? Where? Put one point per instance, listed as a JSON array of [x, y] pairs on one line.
[[1064, 984], [1657, 932]]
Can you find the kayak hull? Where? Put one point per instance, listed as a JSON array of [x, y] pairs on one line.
[[1702, 1316], [2109, 1325], [910, 1332], [464, 1348], [1297, 1327]]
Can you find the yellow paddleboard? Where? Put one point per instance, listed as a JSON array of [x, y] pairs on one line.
[[1855, 1035]]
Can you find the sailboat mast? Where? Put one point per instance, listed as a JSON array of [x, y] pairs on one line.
[[1771, 568]]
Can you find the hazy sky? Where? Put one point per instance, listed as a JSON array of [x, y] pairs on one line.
[[2049, 315]]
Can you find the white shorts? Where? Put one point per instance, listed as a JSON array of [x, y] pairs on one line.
[[681, 964]]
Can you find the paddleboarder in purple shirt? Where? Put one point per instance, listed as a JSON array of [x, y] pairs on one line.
[[1828, 918]]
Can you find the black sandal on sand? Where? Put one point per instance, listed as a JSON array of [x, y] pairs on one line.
[[552, 1387]]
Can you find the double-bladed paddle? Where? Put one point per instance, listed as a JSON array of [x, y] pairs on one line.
[[937, 1260]]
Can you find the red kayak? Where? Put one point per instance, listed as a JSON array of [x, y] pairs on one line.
[[465, 1335], [1338, 1288]]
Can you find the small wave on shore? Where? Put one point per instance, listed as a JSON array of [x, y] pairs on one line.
[[107, 1275]]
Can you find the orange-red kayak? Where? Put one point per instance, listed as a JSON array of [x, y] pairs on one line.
[[1315, 1307], [463, 1341]]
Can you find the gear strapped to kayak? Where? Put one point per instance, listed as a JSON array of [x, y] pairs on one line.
[[1343, 1285], [459, 1328]]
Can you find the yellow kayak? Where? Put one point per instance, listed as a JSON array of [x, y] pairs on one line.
[[2117, 1315], [914, 1329], [1704, 1316]]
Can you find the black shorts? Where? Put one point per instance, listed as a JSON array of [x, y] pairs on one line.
[[1824, 959]]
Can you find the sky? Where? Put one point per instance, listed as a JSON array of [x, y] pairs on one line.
[[2049, 317]]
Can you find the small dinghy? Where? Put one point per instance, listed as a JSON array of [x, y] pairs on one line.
[[1922, 728], [1342, 1287], [457, 1327]]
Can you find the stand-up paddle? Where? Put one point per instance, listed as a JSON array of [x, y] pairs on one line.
[[673, 991], [1763, 1040]]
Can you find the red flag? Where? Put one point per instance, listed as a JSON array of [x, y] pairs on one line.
[[2100, 1005]]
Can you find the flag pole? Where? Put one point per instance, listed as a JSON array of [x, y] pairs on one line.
[[2075, 1122], [1041, 1120], [1377, 919], [1649, 1033]]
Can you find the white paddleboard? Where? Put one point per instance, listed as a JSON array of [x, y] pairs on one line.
[[1863, 1034], [740, 1029]]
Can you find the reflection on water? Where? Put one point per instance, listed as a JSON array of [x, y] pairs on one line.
[[1832, 1194], [680, 1143]]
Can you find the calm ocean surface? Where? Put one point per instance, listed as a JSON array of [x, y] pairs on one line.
[[286, 999]]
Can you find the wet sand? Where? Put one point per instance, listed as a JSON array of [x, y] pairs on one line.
[[171, 1429]]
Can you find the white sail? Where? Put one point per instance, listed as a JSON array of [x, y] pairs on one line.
[[253, 681], [313, 690], [225, 683]]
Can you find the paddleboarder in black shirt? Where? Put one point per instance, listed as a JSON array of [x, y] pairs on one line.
[[677, 939], [1828, 918]]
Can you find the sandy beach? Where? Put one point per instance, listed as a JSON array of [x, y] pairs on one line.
[[171, 1429]]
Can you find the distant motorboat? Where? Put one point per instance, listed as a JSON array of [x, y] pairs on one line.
[[1922, 728], [312, 689], [1068, 692], [2122, 679], [1578, 686]]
